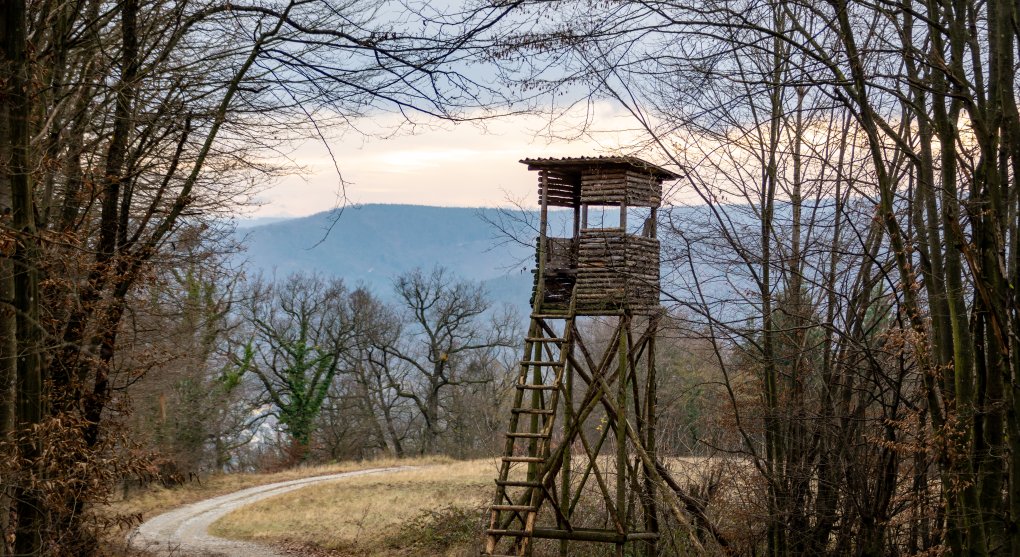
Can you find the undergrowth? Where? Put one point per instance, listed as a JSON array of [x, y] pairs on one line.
[[439, 532]]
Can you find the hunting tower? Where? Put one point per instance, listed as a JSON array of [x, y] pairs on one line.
[[579, 461]]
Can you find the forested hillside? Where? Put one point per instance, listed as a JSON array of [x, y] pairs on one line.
[[371, 244]]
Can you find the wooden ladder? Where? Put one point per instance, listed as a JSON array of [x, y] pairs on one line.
[[539, 384]]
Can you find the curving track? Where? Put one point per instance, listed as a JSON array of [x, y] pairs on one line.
[[185, 531]]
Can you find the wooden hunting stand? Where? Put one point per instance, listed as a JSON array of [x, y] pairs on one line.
[[592, 480]]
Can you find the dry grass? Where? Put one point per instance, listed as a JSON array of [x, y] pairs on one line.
[[376, 515], [436, 510], [156, 499]]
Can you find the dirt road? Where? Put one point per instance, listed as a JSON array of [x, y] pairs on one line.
[[184, 531]]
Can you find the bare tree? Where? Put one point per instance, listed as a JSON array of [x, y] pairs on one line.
[[854, 166], [446, 325], [377, 326], [20, 273], [363, 414], [185, 389], [127, 124]]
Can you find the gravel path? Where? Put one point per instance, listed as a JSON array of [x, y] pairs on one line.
[[185, 531]]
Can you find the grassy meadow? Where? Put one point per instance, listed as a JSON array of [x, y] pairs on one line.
[[155, 499], [434, 510]]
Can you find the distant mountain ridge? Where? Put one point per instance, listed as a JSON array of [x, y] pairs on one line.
[[371, 244]]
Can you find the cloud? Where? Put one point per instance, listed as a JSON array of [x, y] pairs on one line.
[[466, 165]]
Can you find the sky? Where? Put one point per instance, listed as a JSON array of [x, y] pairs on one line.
[[463, 165]]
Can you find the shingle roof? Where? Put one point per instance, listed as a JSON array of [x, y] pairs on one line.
[[579, 163]]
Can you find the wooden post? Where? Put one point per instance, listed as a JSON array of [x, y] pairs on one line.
[[543, 224], [651, 510], [580, 220], [623, 355], [575, 242], [568, 421], [543, 246], [577, 222]]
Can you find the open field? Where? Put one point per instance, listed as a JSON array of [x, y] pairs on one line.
[[185, 531], [156, 499], [376, 515], [436, 510]]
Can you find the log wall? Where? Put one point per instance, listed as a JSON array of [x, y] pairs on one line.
[[616, 270], [603, 186], [612, 270], [564, 189], [612, 186]]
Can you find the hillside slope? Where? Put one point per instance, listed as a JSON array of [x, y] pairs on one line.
[[371, 244]]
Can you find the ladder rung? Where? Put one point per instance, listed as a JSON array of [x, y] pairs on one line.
[[533, 387], [518, 483], [535, 459], [545, 339], [541, 363], [539, 411], [528, 435], [549, 316], [517, 533], [512, 508]]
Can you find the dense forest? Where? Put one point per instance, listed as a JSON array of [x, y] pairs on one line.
[[839, 262]]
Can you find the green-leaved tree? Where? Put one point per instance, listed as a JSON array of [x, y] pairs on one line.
[[299, 328]]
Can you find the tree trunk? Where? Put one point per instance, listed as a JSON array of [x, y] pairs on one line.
[[777, 500], [8, 375], [8, 323], [29, 398], [431, 443], [398, 447]]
